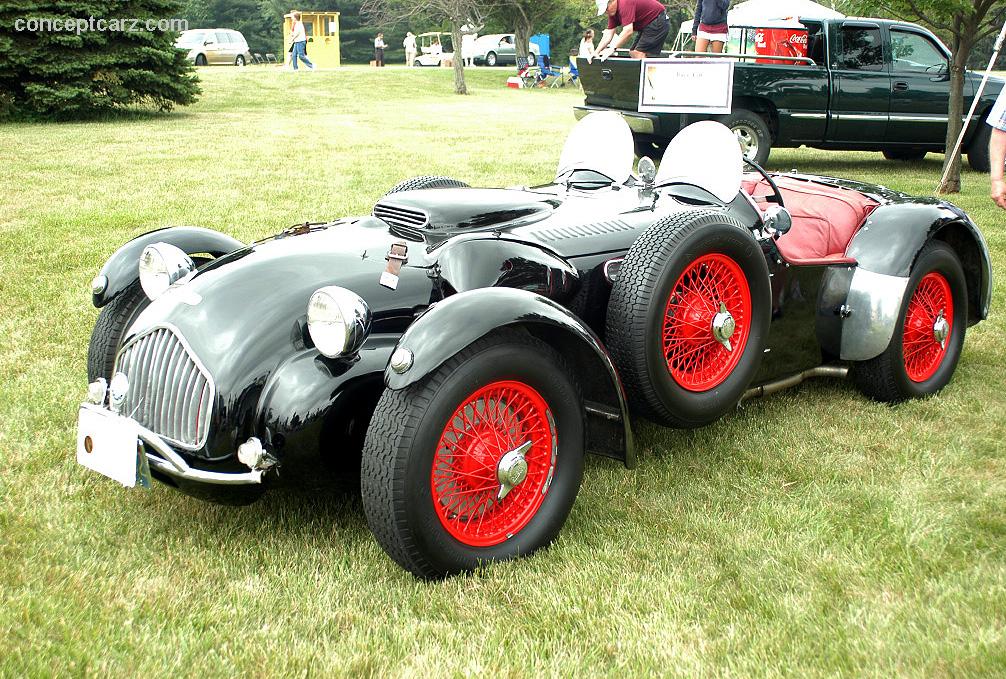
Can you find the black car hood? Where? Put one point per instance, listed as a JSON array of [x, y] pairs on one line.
[[454, 210], [246, 312]]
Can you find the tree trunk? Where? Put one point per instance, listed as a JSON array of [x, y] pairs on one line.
[[459, 61], [522, 34], [955, 112]]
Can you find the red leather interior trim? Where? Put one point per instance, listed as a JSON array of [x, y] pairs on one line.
[[825, 218]]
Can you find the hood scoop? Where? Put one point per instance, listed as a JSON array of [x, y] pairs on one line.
[[453, 210]]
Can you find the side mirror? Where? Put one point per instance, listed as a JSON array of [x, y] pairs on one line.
[[777, 220], [647, 170], [207, 42]]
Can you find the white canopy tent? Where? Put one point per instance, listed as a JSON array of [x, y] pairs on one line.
[[765, 13]]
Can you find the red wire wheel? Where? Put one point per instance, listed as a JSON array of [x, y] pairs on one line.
[[495, 420], [922, 352], [696, 359]]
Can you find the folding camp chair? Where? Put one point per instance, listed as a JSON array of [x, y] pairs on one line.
[[574, 72], [259, 59], [271, 58], [548, 72], [527, 73]]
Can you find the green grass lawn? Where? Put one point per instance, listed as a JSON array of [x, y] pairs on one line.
[[812, 533]]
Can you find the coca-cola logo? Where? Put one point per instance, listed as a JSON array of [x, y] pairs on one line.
[[798, 38]]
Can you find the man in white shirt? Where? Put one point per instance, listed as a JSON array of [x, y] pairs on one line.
[[410, 49], [298, 36]]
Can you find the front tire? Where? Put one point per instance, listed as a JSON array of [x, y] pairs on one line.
[[752, 134], [915, 362], [201, 60], [904, 154], [688, 317], [110, 328], [240, 61], [436, 453]]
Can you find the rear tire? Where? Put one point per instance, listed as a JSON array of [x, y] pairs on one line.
[[978, 151], [491, 59], [110, 328], [427, 182], [752, 134], [434, 452], [914, 364], [665, 312]]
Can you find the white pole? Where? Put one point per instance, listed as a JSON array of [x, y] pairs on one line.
[[974, 103]]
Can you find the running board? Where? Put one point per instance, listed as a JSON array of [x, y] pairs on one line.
[[793, 380]]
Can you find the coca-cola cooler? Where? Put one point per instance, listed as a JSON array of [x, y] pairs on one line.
[[780, 39]]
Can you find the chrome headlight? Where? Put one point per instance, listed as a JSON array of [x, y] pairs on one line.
[[338, 320], [161, 265]]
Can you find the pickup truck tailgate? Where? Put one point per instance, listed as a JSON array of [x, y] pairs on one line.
[[612, 84]]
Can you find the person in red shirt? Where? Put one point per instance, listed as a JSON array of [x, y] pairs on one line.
[[646, 19]]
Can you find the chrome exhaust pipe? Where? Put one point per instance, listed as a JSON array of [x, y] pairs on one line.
[[785, 383]]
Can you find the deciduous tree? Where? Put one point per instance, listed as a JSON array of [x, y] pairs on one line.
[[963, 23]]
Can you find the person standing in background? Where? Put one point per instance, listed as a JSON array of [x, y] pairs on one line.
[[298, 38], [379, 50], [997, 150], [410, 49], [468, 49], [709, 28], [587, 43], [646, 19]]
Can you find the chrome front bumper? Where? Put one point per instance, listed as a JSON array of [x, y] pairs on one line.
[[162, 458]]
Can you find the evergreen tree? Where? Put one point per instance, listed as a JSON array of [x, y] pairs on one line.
[[63, 74]]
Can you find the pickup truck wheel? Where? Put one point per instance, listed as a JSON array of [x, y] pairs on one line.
[[113, 320], [978, 151], [927, 340], [752, 134], [904, 154], [688, 317], [479, 462], [427, 182], [491, 59]]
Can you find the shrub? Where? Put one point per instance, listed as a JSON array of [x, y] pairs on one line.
[[49, 74]]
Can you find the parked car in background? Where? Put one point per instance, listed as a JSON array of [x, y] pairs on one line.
[[433, 47], [864, 85], [215, 46], [498, 50]]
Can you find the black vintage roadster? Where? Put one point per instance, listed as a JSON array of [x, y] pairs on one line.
[[475, 343]]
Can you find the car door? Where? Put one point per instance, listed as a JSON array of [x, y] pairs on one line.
[[861, 95], [507, 52], [920, 88], [225, 50]]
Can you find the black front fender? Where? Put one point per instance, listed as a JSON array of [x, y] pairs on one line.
[[456, 322], [120, 270]]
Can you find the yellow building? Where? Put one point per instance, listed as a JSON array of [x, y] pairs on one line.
[[322, 37]]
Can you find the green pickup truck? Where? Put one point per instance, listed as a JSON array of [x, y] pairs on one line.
[[866, 84]]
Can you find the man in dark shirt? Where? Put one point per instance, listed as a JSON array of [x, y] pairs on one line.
[[647, 19]]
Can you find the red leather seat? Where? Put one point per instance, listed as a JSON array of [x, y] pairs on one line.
[[825, 218]]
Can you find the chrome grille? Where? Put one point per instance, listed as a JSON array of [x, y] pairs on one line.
[[401, 216], [170, 393]]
